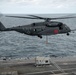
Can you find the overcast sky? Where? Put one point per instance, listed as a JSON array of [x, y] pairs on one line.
[[37, 6]]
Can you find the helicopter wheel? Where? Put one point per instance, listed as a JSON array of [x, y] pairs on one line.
[[40, 36], [68, 34]]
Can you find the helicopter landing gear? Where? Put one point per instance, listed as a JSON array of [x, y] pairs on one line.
[[40, 36], [68, 34]]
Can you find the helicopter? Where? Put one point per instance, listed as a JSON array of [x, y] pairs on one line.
[[48, 27]]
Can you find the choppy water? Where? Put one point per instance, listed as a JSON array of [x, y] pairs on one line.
[[16, 45]]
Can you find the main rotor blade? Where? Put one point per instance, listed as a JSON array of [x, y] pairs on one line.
[[36, 16], [61, 18], [51, 18], [22, 17]]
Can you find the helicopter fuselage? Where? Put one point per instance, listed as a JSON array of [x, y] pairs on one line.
[[41, 28]]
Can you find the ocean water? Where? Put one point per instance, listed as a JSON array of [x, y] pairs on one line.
[[17, 45]]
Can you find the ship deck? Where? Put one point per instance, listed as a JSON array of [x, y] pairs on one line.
[[58, 66]]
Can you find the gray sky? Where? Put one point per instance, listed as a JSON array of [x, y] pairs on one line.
[[37, 6]]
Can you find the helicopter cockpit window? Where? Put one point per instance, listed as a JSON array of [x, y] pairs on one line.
[[66, 26]]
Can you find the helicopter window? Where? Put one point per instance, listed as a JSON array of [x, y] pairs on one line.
[[34, 30], [66, 26], [37, 30]]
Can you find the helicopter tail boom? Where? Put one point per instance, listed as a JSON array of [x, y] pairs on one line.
[[2, 27]]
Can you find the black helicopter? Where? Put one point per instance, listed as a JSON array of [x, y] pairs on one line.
[[48, 27]]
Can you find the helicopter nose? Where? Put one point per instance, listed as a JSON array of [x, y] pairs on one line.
[[68, 29]]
